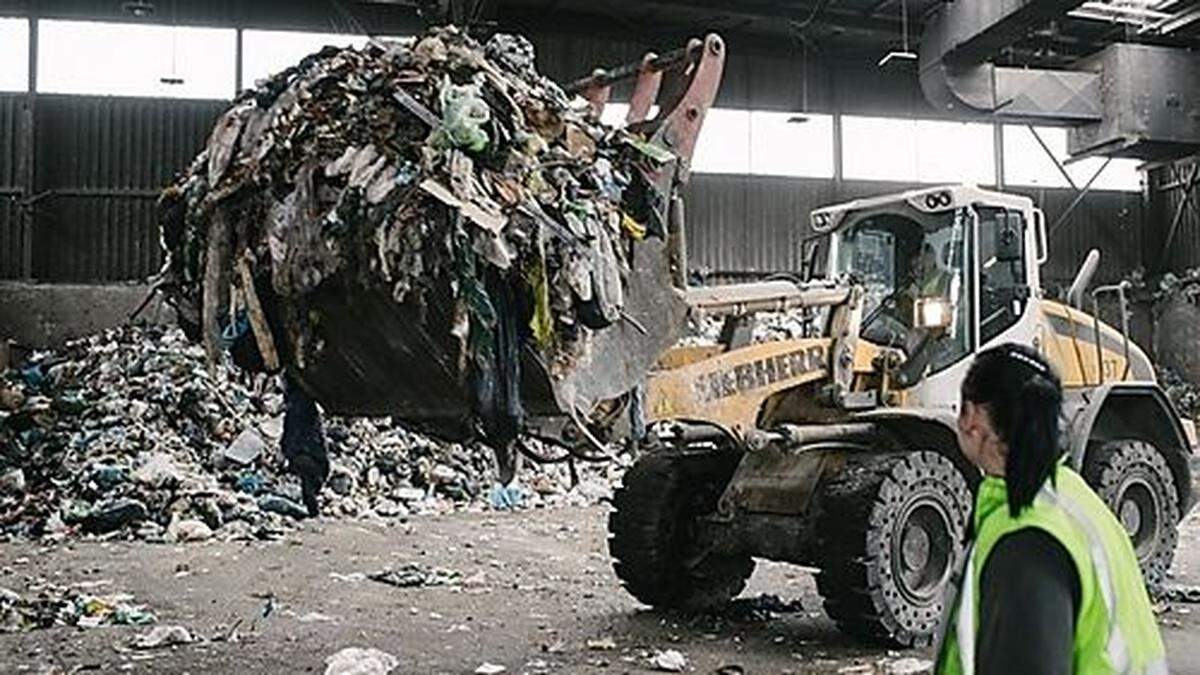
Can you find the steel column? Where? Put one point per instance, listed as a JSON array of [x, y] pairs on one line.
[[1062, 218], [1050, 153], [998, 151]]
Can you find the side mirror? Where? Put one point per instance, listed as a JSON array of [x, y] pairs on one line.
[[810, 250], [1010, 237], [1041, 239], [1083, 278]]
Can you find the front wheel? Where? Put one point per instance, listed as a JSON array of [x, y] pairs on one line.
[[653, 535], [891, 530], [1133, 479]]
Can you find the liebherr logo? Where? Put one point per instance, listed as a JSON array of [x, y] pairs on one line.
[[761, 373]]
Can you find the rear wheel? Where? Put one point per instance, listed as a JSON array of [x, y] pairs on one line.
[[891, 532], [1133, 479], [653, 535]]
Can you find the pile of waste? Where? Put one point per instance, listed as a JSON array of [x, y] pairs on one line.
[[406, 226], [1175, 302], [130, 432], [46, 605], [768, 327], [1186, 284], [1184, 393]]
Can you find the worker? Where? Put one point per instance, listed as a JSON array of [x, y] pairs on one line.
[[303, 443], [932, 281], [1050, 584]]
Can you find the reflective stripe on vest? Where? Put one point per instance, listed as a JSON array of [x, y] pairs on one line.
[[966, 617], [1117, 648]]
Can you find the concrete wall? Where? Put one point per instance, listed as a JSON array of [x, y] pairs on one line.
[[44, 315]]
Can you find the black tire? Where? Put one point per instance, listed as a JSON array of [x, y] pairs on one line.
[[891, 532], [652, 534], [1133, 479]]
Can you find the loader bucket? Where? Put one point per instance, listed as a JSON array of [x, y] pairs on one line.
[[369, 355]]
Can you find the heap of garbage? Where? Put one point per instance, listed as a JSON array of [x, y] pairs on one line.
[[405, 227], [47, 605], [1175, 304], [130, 433]]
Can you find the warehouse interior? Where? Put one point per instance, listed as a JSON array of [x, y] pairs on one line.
[[104, 104], [95, 163]]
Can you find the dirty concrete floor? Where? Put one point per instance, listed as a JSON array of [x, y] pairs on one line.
[[538, 588]]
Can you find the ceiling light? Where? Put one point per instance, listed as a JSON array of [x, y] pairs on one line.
[[904, 53], [1126, 12], [139, 8], [897, 56]]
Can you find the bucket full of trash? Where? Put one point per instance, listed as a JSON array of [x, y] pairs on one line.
[[429, 229]]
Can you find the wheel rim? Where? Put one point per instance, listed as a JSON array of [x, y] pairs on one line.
[[1138, 510], [922, 553]]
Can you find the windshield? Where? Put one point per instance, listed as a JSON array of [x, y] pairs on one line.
[[904, 258]]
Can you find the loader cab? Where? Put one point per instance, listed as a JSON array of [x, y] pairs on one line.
[[944, 271]]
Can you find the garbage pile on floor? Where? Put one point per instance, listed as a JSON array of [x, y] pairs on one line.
[[445, 175], [45, 605], [768, 327], [1177, 323], [1182, 392], [129, 431]]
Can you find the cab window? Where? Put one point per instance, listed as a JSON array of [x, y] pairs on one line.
[[1003, 290]]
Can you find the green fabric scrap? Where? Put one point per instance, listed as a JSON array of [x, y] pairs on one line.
[[541, 324], [654, 152], [464, 113], [481, 341]]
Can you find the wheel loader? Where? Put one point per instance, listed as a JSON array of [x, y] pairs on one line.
[[835, 449], [838, 451]]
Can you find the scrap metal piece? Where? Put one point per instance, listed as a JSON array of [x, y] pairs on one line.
[[258, 319], [216, 284]]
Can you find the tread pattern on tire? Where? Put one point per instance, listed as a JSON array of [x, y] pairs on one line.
[[860, 505], [1106, 469], [649, 537]]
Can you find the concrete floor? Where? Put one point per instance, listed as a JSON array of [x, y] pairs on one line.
[[538, 588]]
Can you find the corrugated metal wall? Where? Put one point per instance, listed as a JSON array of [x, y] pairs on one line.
[[1169, 187], [100, 161], [758, 223], [99, 165], [1112, 222], [12, 179]]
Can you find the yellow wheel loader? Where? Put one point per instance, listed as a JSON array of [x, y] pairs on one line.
[[835, 450], [838, 451]]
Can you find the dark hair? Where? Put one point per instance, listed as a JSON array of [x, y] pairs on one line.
[[1023, 398]]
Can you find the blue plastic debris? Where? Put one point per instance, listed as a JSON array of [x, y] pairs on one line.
[[505, 497]]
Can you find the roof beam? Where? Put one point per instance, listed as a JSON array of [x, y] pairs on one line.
[[1179, 20], [789, 11]]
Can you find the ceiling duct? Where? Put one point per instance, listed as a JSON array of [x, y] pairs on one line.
[[955, 76], [1127, 100]]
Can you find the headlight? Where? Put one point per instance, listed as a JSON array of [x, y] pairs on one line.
[[933, 313]]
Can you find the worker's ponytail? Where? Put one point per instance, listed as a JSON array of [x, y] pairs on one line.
[[1023, 399]]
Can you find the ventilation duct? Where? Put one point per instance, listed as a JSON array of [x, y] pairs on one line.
[[955, 77], [1127, 100]]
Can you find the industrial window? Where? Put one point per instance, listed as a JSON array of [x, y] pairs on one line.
[[756, 142], [120, 59], [1027, 164], [14, 54], [923, 151], [267, 52], [791, 144], [724, 143], [614, 113]]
